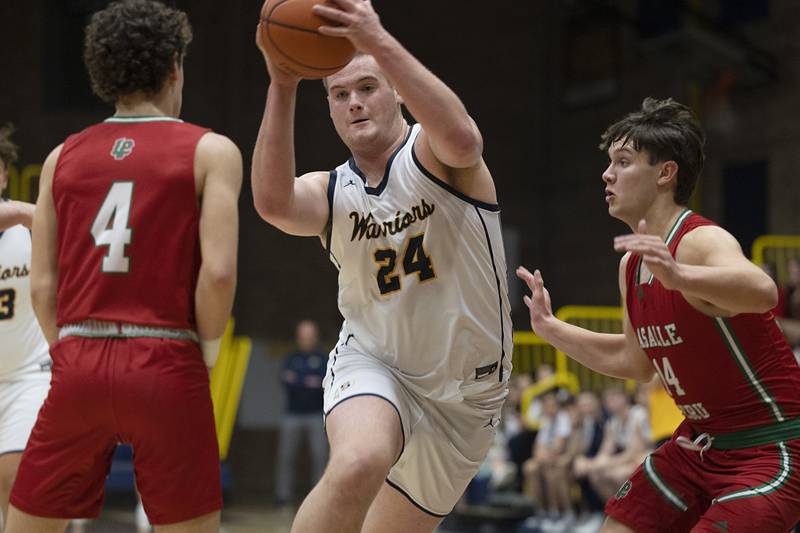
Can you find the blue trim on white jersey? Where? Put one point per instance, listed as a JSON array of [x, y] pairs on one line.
[[329, 235], [449, 188], [499, 294], [376, 191]]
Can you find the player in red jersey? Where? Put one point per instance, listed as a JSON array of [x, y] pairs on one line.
[[697, 313], [134, 262]]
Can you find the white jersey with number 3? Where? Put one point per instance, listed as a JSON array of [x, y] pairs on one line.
[[23, 345], [422, 276]]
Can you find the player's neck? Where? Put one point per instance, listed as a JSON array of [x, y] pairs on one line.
[[141, 106], [373, 162], [661, 218]]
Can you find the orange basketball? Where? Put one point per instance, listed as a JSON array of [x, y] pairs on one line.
[[293, 43]]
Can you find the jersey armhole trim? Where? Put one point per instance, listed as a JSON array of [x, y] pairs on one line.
[[329, 226], [449, 188], [499, 295]]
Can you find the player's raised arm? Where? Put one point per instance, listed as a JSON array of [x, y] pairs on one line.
[[13, 213], [452, 135], [219, 163], [613, 354], [710, 267], [296, 206], [44, 253]]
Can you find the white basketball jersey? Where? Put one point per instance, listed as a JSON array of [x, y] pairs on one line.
[[22, 345], [422, 275]]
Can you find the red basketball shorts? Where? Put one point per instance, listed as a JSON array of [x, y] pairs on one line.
[[150, 393], [742, 490]]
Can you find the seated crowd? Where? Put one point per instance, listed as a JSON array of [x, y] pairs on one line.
[[566, 452]]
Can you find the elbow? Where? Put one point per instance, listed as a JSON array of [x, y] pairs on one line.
[[37, 297], [268, 210], [465, 147], [221, 277], [42, 291], [270, 207], [41, 286], [768, 297], [263, 207], [643, 374]]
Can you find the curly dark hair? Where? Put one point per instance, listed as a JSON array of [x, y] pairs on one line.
[[8, 150], [668, 131], [131, 46]]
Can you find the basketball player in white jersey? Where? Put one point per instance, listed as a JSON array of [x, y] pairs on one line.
[[416, 381], [24, 357]]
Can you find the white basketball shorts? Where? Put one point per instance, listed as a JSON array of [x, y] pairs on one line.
[[20, 400], [444, 443]]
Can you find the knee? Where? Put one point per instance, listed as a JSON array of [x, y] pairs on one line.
[[530, 468], [551, 474], [358, 471], [6, 482]]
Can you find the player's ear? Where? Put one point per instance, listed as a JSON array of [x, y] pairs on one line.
[[668, 173], [177, 67], [399, 98]]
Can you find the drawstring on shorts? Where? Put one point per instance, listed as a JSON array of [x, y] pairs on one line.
[[696, 445]]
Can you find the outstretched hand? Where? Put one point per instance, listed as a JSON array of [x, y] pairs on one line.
[[355, 20], [538, 302], [655, 254]]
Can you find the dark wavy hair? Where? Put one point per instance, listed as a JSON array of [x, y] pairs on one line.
[[668, 131], [8, 150], [131, 46]]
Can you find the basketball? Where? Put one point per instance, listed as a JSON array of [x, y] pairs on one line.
[[292, 41]]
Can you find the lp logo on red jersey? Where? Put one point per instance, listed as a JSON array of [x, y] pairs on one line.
[[122, 148]]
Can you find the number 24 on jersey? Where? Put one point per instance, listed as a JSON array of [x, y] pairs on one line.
[[415, 260]]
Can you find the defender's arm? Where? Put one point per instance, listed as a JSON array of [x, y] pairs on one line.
[[218, 160], [44, 254]]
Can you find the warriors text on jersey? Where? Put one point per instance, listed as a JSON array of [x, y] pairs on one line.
[[23, 343], [128, 215], [725, 374], [422, 274]]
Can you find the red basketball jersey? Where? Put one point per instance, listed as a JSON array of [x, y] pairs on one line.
[[725, 374], [128, 215]]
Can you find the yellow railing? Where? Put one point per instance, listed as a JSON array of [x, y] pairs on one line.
[[530, 351], [777, 250], [227, 380], [20, 182]]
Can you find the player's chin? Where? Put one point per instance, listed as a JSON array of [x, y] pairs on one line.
[[362, 137], [615, 210]]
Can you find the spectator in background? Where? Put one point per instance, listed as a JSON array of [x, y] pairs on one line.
[[301, 376], [541, 472], [518, 436], [532, 409], [587, 424], [626, 442], [587, 438]]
